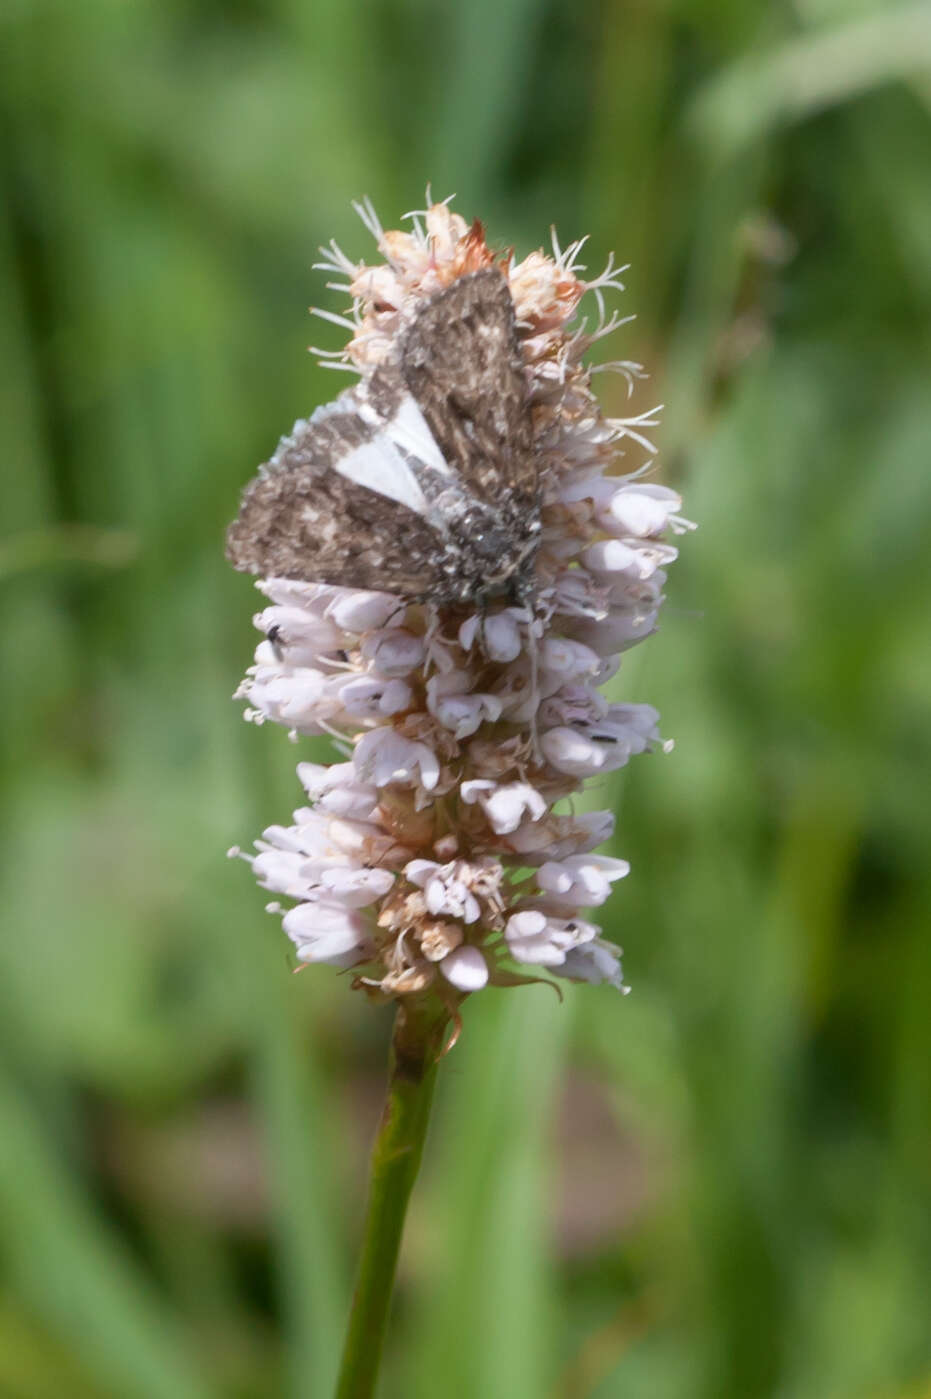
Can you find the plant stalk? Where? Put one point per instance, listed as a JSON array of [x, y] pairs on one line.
[[416, 1046]]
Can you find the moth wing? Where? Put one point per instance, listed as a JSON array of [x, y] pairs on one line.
[[461, 359], [340, 502]]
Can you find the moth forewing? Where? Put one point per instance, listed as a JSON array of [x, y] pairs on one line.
[[420, 481]]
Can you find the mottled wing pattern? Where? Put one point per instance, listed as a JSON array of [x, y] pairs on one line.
[[302, 518], [461, 360], [421, 481]]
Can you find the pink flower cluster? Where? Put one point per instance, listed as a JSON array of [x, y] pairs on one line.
[[440, 852]]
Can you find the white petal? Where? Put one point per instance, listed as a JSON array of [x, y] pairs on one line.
[[505, 805], [355, 610], [281, 871], [582, 881], [450, 896], [568, 658], [324, 932], [301, 637], [419, 871], [642, 510], [623, 627], [465, 968], [556, 837], [464, 715], [393, 651], [472, 790], [317, 778], [384, 756], [469, 630], [533, 936], [501, 636], [611, 556], [357, 888], [356, 800], [595, 962], [364, 697], [572, 752]]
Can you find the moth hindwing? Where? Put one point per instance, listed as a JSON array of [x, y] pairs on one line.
[[419, 481]]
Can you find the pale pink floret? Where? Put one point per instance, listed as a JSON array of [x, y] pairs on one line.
[[582, 881], [537, 937], [505, 804], [327, 932], [383, 756], [465, 968]]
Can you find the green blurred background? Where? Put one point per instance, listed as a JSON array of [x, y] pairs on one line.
[[714, 1189]]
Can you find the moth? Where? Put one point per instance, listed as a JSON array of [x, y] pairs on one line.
[[421, 480]]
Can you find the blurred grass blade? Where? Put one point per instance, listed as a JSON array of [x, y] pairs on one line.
[[78, 1276], [480, 94], [816, 70], [296, 1119], [66, 544]]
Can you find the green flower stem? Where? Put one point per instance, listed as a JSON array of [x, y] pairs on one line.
[[415, 1050]]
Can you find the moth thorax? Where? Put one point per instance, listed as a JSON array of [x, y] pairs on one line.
[[494, 545]]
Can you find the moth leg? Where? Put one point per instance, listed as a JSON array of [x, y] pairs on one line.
[[430, 634]]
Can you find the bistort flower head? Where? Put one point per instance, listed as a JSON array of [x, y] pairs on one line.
[[443, 852]]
